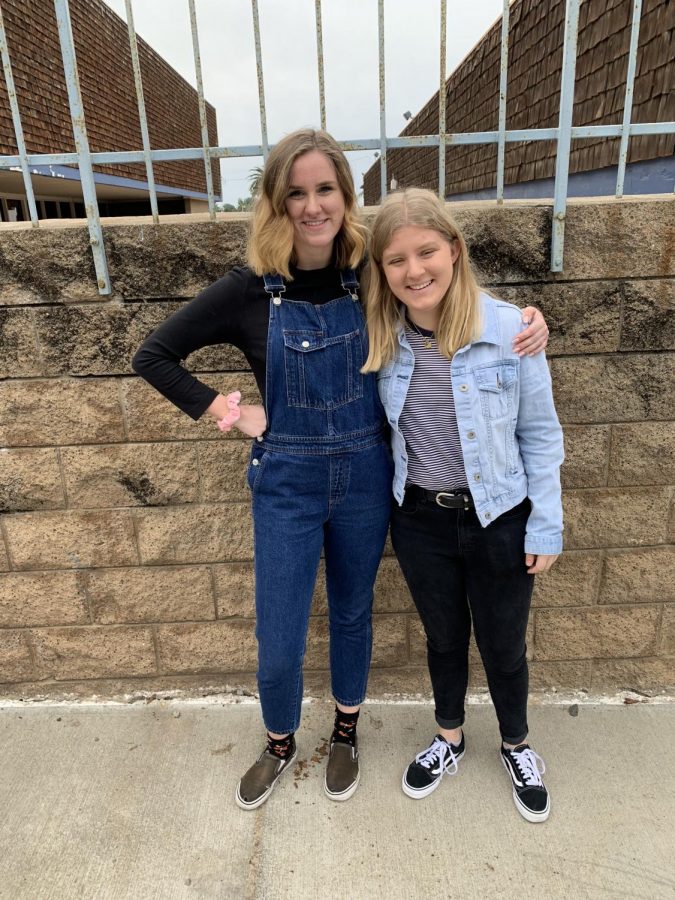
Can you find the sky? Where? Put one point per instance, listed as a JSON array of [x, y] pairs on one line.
[[287, 29]]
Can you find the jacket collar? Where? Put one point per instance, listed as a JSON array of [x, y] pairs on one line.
[[490, 325]]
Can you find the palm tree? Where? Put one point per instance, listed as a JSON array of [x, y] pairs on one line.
[[255, 179]]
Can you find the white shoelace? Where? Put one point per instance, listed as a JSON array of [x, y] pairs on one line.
[[530, 765], [439, 751]]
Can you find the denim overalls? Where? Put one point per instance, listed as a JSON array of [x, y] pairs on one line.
[[320, 478]]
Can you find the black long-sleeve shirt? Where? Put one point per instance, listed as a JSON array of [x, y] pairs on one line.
[[234, 310]]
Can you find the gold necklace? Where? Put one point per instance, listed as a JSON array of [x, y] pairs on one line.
[[426, 338]]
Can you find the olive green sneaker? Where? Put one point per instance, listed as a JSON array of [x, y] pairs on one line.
[[342, 772], [258, 783]]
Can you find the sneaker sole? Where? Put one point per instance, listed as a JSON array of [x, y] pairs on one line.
[[343, 795], [522, 809], [242, 804], [421, 793]]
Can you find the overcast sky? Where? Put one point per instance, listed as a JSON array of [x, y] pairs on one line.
[[412, 29]]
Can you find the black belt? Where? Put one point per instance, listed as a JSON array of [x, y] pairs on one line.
[[447, 499]]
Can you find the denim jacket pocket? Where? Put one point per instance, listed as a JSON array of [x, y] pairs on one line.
[[496, 384], [322, 372]]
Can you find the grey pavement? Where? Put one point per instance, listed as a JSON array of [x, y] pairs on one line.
[[137, 801]]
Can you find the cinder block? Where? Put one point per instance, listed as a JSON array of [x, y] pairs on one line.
[[96, 340], [615, 388], [208, 647], [150, 594], [71, 540], [582, 318], [600, 239], [607, 632], [418, 642], [235, 590], [44, 412], [586, 454], [648, 676], [15, 659], [390, 640], [175, 260], [639, 576], [94, 652], [316, 651], [648, 315], [195, 534], [222, 470], [30, 480], [131, 475], [401, 682], [667, 647], [391, 593], [642, 453], [19, 356], [616, 517], [560, 676], [52, 265], [151, 417], [42, 598], [572, 581]]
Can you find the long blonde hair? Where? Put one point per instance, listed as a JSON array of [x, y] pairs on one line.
[[270, 246], [460, 310]]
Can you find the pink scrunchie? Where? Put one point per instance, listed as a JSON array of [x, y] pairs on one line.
[[228, 420]]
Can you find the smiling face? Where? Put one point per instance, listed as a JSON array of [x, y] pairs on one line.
[[418, 265], [316, 207]]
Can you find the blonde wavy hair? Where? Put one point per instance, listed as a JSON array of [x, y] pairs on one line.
[[460, 320], [270, 246]]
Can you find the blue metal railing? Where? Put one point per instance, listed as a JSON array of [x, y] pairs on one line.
[[564, 134]]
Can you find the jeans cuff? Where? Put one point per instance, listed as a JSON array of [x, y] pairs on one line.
[[449, 723], [348, 702], [515, 741]]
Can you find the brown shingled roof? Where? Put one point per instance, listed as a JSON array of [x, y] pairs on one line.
[[108, 92], [533, 93]]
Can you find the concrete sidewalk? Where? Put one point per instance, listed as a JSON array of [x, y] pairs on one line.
[[138, 802]]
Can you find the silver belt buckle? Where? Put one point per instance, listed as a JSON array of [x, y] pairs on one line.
[[441, 494]]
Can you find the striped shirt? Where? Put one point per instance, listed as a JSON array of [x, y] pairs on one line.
[[428, 421]]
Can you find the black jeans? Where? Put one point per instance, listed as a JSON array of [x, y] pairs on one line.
[[458, 571]]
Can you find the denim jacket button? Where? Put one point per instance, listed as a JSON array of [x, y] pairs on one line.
[[254, 462], [476, 477], [471, 434], [487, 517], [305, 343], [259, 438], [464, 387]]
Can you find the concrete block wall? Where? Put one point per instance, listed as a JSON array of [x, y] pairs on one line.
[[125, 534]]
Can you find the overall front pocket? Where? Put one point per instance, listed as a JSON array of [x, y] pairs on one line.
[[322, 372]]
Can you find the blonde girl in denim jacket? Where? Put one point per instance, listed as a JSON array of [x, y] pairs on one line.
[[477, 451]]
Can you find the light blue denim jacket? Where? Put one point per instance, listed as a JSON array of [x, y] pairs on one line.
[[511, 438]]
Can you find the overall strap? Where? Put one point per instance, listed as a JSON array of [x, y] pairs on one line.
[[350, 282], [274, 285]]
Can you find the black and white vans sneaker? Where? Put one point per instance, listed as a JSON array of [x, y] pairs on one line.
[[424, 773], [525, 768]]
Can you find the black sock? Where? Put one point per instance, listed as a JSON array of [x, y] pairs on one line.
[[280, 747], [344, 730]]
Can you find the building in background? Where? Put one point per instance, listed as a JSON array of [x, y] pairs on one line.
[[533, 95], [111, 114]]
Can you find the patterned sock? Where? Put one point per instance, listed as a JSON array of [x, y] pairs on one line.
[[280, 747], [344, 730]]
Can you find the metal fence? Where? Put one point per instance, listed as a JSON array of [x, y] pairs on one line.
[[85, 160]]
